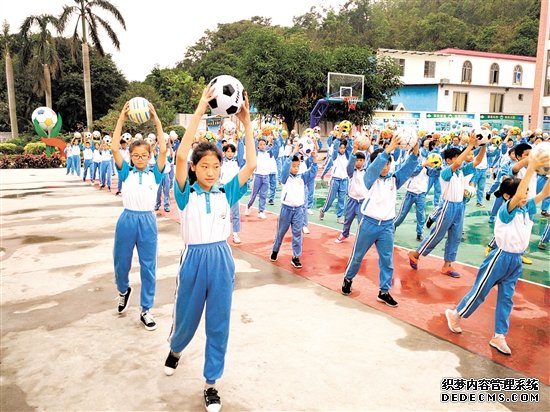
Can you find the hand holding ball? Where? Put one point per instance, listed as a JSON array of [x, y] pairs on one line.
[[228, 95]]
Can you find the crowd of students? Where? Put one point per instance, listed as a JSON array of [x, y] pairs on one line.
[[209, 175]]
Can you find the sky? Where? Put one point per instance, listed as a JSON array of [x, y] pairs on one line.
[[160, 31]]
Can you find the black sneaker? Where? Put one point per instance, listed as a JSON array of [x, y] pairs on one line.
[[487, 196], [171, 363], [212, 401], [148, 320], [296, 262], [117, 193], [419, 238], [123, 300], [545, 213], [429, 223], [167, 209], [270, 202], [102, 186], [346, 287], [273, 257], [387, 299]]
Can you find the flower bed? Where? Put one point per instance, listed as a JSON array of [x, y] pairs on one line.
[[31, 161]]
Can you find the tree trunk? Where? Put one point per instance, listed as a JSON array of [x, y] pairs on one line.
[[48, 83], [11, 97], [87, 86]]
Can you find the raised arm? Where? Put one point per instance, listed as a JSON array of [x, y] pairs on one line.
[[161, 158], [457, 164], [480, 155], [115, 146], [189, 137], [250, 165]]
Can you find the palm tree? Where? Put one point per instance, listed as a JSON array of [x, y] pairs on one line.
[[40, 52], [5, 42], [84, 10]]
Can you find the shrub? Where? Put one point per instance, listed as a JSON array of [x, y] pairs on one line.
[[9, 148], [35, 148], [30, 161]]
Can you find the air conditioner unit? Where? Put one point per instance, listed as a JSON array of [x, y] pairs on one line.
[[444, 81]]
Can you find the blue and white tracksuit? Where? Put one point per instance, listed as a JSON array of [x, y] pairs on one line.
[[88, 155], [207, 271], [545, 237], [338, 181], [378, 211], [451, 217], [69, 158], [541, 181], [231, 168], [417, 187], [105, 167], [504, 171], [96, 165], [357, 192], [164, 188], [137, 227], [502, 266], [261, 176], [75, 156], [433, 180], [480, 177], [293, 208]]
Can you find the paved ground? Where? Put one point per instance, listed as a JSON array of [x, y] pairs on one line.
[[294, 345]]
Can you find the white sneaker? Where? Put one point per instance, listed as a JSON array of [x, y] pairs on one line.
[[499, 343], [247, 211], [262, 215], [309, 212], [236, 238], [340, 220], [306, 230]]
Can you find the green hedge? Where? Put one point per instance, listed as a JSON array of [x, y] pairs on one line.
[[30, 161], [10, 148], [35, 148]]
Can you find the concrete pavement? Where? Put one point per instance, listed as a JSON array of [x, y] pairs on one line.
[[294, 345]]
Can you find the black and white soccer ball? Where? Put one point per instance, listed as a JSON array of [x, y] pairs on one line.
[[228, 92], [483, 136], [126, 137]]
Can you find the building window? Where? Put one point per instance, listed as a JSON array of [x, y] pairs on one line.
[[493, 76], [467, 72], [429, 69], [518, 74], [520, 97], [547, 80], [460, 101], [446, 92], [496, 103], [401, 64]]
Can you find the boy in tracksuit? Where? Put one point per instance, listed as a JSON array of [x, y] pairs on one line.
[[293, 197], [261, 176], [451, 220], [378, 211], [338, 181], [417, 187], [357, 191]]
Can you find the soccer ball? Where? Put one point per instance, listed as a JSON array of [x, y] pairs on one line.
[[469, 192], [139, 110], [483, 136], [514, 131], [107, 139], [391, 125], [173, 135], [96, 134], [435, 159], [152, 137], [126, 137], [210, 137], [407, 138], [386, 134], [306, 145], [138, 136], [497, 141], [538, 132], [228, 95], [229, 129], [77, 135], [445, 139], [542, 150], [45, 117], [345, 126]]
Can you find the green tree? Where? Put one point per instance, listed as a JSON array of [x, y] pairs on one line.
[[40, 53], [5, 44], [178, 87], [90, 23]]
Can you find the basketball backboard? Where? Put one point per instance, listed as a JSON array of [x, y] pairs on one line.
[[344, 85]]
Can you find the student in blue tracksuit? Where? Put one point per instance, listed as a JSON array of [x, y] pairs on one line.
[[545, 237], [451, 217], [293, 206], [125, 153], [232, 163], [164, 187], [87, 155], [338, 181], [75, 156], [357, 191], [96, 163], [260, 185], [105, 166], [378, 211], [504, 170], [503, 266], [137, 225], [434, 174], [416, 187], [207, 269]]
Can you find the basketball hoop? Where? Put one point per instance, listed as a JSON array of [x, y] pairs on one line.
[[351, 102]]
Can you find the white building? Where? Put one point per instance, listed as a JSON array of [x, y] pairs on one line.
[[487, 86]]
